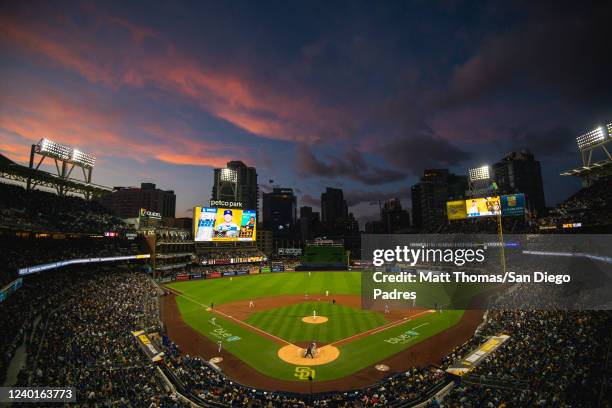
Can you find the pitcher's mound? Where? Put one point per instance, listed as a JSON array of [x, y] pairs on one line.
[[295, 355], [312, 320]]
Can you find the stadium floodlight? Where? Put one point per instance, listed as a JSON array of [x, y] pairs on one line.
[[591, 138], [609, 128], [229, 175], [56, 150], [479, 173], [84, 159]]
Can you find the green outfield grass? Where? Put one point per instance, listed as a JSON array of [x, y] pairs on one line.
[[285, 322]]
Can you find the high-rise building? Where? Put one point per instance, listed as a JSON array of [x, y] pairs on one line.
[[333, 207], [309, 223], [126, 202], [393, 218], [279, 212], [437, 186], [520, 172], [415, 196], [237, 183]]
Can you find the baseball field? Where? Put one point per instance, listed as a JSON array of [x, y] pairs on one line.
[[264, 324]]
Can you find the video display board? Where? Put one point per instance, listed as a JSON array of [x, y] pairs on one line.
[[483, 207], [456, 210], [506, 205], [513, 204], [224, 224]]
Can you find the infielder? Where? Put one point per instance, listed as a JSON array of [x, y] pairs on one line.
[[251, 304], [219, 344]]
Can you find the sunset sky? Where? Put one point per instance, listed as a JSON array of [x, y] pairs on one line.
[[357, 95]]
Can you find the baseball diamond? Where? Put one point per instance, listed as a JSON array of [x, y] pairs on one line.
[[265, 325]]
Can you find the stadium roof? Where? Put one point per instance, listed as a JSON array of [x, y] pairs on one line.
[[603, 167], [10, 170]]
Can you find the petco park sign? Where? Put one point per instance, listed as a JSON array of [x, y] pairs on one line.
[[225, 204]]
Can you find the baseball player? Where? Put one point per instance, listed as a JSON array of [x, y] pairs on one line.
[[251, 304], [387, 309], [219, 344], [309, 351], [228, 228]]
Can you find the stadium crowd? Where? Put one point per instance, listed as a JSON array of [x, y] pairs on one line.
[[25, 252], [589, 206], [40, 211]]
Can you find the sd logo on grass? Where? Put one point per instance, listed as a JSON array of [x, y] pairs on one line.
[[304, 373]]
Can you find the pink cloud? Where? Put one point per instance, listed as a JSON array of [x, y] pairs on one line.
[[260, 108]]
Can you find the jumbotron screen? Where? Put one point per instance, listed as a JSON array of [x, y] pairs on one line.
[[506, 205], [483, 207], [223, 224]]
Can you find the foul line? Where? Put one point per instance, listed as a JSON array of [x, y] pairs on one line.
[[384, 327], [365, 333], [230, 317]]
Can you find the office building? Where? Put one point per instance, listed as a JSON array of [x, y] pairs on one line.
[[236, 183], [436, 187], [126, 202], [520, 172], [279, 212]]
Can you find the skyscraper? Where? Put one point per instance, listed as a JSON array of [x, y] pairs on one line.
[[238, 183], [430, 195], [279, 212], [333, 207], [393, 218], [520, 172]]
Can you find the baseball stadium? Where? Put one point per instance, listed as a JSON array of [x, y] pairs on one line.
[[305, 204]]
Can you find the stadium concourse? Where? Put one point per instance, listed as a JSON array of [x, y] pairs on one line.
[[75, 326]]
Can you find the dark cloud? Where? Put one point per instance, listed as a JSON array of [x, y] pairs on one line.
[[351, 165], [356, 197], [417, 153], [307, 199], [265, 187], [563, 49], [554, 142]]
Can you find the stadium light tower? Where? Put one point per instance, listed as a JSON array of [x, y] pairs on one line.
[[590, 141], [479, 173], [65, 159], [226, 184], [594, 141], [478, 180]]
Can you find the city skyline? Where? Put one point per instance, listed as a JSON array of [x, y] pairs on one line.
[[363, 99]]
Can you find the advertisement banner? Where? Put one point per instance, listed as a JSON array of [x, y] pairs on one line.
[[224, 224], [182, 277], [54, 265], [473, 359], [213, 275], [513, 205], [456, 210], [229, 273], [483, 207]]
